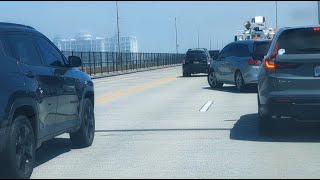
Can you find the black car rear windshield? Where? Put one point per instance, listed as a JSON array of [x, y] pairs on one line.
[[261, 48], [300, 41], [196, 55]]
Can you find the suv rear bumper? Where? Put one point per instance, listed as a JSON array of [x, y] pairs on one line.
[[300, 108], [195, 68]]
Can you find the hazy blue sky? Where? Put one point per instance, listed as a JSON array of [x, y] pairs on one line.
[[153, 22]]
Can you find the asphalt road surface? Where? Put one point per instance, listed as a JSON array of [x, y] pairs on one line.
[[157, 124]]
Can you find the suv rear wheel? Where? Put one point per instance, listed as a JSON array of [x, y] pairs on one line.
[[239, 82], [18, 159], [85, 135], [185, 74], [265, 122], [212, 80]]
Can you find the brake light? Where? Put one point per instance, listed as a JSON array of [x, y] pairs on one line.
[[270, 64], [183, 61], [254, 62], [270, 61], [208, 61], [316, 29]]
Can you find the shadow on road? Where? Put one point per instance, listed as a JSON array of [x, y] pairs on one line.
[[232, 89], [194, 76], [154, 130], [286, 130], [52, 149]]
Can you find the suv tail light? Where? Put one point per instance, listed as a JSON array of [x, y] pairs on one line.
[[270, 60], [316, 29], [254, 62]]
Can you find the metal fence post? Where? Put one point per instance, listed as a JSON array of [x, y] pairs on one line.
[[121, 61], [82, 61], [107, 55], [137, 60], [167, 57], [144, 60], [126, 61], [116, 61], [140, 54], [131, 64], [112, 54], [171, 59], [101, 70], [90, 63], [94, 63], [155, 59], [148, 60]]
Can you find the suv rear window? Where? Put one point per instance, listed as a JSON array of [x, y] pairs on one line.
[[261, 48], [300, 41], [196, 55]]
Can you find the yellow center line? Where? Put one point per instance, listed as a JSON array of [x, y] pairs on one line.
[[137, 88]]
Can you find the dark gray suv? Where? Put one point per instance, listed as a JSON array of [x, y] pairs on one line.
[[196, 61], [42, 95], [289, 78]]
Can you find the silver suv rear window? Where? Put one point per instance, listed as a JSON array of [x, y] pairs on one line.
[[261, 47]]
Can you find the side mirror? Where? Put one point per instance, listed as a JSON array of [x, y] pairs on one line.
[[74, 61]]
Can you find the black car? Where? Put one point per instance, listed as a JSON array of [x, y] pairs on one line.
[[196, 61], [42, 95]]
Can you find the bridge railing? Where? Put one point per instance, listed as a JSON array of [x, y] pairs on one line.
[[110, 62]]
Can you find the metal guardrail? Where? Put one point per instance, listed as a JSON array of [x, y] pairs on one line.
[[110, 62]]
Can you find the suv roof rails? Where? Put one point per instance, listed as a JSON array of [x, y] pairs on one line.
[[14, 25]]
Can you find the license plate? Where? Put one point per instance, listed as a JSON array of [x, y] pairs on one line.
[[317, 70], [196, 62]]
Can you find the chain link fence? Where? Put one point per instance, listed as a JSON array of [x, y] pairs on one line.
[[109, 62]]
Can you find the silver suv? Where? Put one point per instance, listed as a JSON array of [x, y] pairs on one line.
[[238, 63], [289, 78]]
